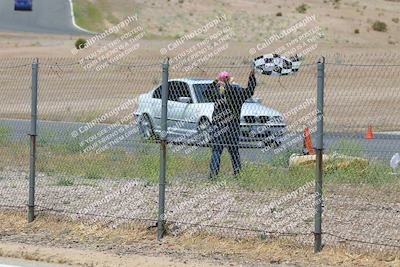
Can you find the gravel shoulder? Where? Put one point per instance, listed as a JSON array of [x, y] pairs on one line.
[[368, 215], [86, 222]]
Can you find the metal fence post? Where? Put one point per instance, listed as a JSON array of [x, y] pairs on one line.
[[32, 161], [318, 152], [163, 151]]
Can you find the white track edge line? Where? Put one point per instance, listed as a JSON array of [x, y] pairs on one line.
[[73, 19]]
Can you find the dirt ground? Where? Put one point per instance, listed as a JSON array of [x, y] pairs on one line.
[[355, 96], [252, 21], [77, 257], [59, 240]]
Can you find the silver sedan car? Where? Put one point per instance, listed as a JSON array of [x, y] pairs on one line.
[[190, 114]]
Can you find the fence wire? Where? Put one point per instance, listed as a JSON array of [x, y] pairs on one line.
[[90, 140], [98, 155], [361, 192], [15, 82]]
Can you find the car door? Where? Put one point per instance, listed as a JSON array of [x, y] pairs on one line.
[[176, 109]]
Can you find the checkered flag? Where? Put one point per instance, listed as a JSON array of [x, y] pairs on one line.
[[277, 65]]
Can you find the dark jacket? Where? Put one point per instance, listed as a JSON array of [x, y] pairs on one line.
[[228, 105]]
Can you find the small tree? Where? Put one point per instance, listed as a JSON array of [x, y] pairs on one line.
[[302, 8], [80, 43], [379, 26]]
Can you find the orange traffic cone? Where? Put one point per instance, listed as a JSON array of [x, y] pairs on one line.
[[309, 150], [370, 134]]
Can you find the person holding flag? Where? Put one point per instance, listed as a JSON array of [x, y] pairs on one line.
[[228, 100]]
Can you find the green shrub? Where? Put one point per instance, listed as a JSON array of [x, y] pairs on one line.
[[261, 176], [279, 14], [65, 181], [282, 159], [80, 43], [356, 31], [379, 26], [374, 173], [70, 146], [336, 4], [4, 135], [46, 137], [93, 171], [302, 8]]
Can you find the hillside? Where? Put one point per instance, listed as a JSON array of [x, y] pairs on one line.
[[346, 26], [342, 21]]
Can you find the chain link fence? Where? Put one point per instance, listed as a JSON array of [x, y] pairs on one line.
[[99, 134], [16, 76], [362, 199]]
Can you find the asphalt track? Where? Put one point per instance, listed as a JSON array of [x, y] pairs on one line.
[[11, 262], [48, 16], [382, 147]]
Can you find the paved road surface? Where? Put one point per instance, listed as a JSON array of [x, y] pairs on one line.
[[383, 147], [11, 262], [48, 16]]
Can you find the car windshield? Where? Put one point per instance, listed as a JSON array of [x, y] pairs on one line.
[[201, 98]]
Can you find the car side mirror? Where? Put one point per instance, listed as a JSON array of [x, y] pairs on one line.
[[184, 99]]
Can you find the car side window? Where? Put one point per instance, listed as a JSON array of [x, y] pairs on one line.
[[171, 91], [178, 89], [157, 92]]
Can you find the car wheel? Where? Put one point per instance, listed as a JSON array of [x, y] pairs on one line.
[[146, 128], [203, 131]]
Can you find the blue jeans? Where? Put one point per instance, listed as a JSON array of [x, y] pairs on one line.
[[229, 138]]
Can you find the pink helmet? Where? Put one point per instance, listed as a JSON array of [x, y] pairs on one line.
[[222, 76]]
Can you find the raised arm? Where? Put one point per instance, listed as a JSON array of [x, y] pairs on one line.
[[251, 85]]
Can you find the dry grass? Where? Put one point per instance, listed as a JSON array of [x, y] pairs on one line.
[[62, 232]]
